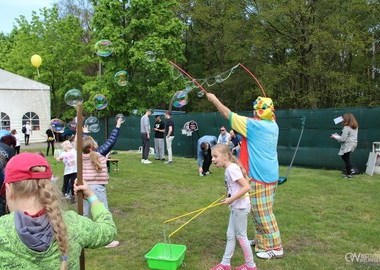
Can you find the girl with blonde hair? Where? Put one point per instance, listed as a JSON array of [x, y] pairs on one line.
[[95, 174], [37, 233], [237, 199]]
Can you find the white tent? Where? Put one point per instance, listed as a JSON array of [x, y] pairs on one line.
[[22, 100]]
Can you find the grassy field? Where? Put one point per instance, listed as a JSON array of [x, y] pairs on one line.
[[322, 216]]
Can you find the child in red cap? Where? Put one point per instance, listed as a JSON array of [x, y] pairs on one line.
[[38, 234]]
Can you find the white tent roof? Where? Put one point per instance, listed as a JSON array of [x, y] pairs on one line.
[[12, 81]]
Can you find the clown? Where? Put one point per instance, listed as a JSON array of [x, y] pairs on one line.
[[259, 157]]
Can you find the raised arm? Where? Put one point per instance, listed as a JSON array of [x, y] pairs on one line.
[[224, 111]]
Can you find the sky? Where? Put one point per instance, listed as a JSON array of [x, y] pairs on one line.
[[12, 9]]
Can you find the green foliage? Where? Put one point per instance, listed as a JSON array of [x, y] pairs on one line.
[[144, 27], [320, 49], [307, 54]]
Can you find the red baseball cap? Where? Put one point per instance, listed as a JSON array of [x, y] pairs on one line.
[[19, 168]]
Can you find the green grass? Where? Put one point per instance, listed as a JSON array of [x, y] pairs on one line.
[[321, 216]]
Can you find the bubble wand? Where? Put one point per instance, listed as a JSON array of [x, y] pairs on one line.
[[188, 75], [202, 210], [253, 76], [191, 78], [214, 203], [195, 211]]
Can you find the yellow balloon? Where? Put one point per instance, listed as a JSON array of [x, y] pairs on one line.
[[36, 60]]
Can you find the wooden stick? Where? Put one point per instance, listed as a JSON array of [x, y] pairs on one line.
[[79, 142]]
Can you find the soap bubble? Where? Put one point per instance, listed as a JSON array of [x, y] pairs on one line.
[[92, 124], [201, 94], [100, 102], [121, 78], [104, 48], [180, 99], [73, 97], [120, 115], [134, 112], [150, 56], [57, 125]]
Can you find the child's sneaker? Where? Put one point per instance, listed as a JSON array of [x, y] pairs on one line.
[[270, 254], [221, 267], [113, 244], [245, 267]]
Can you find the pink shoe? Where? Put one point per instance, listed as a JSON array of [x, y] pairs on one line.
[[221, 267], [245, 267]]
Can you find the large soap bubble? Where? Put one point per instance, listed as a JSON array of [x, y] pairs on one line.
[[121, 116], [92, 124], [100, 102], [73, 97], [121, 78], [150, 56], [180, 99], [57, 125], [103, 48]]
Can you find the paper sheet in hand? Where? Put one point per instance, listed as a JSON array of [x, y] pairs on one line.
[[336, 136], [338, 120]]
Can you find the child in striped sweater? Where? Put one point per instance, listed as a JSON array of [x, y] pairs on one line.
[[95, 174]]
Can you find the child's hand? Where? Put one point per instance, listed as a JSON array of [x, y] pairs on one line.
[[85, 129], [87, 192], [119, 121], [227, 201]]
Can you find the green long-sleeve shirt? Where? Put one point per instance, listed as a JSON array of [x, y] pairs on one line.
[[82, 232]]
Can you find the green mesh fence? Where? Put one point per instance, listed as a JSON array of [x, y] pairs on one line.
[[316, 148]]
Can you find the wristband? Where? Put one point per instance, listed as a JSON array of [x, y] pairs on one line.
[[92, 199]]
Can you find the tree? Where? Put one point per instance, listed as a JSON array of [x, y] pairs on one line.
[[316, 51], [219, 36], [145, 35]]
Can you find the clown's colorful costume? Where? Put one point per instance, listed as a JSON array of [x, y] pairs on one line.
[[259, 157]]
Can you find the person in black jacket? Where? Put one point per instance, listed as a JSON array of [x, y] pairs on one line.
[[6, 153], [50, 141]]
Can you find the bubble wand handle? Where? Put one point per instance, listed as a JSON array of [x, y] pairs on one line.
[[199, 213], [193, 212], [202, 210], [187, 74], [256, 80]]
